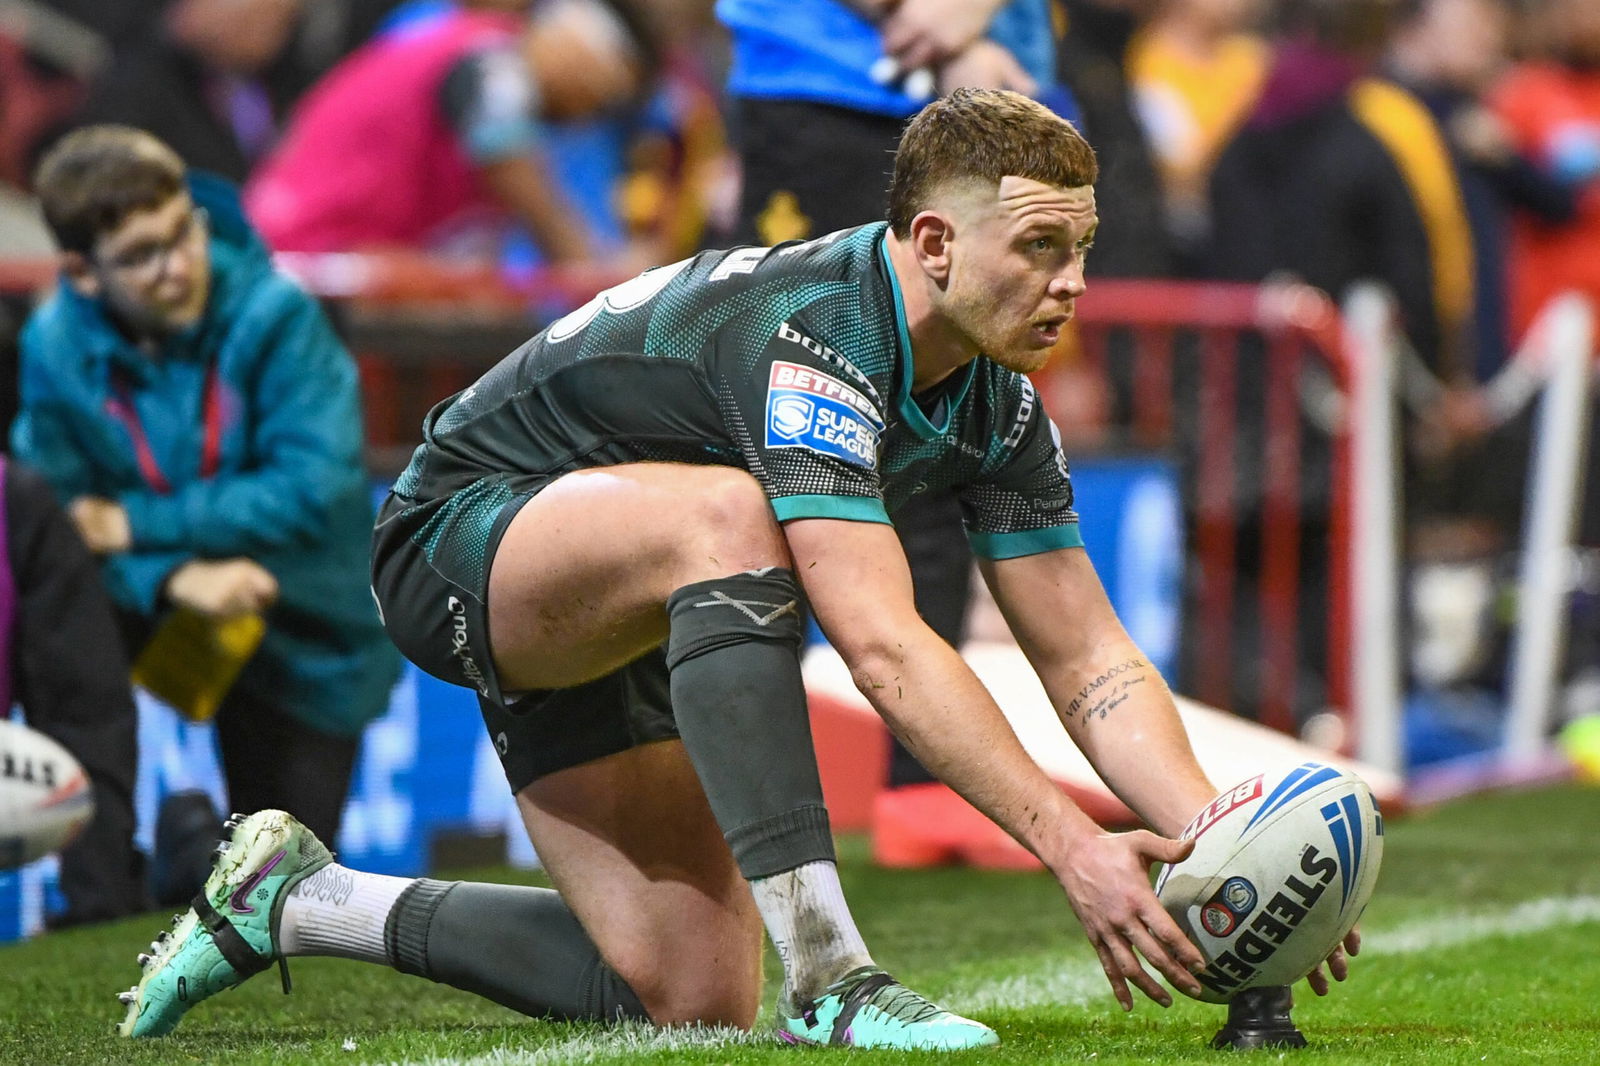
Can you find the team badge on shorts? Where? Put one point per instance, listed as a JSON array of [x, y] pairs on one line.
[[809, 409]]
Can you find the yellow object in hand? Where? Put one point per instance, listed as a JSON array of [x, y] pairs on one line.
[[193, 660]]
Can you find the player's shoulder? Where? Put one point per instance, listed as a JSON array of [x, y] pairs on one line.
[[846, 255]]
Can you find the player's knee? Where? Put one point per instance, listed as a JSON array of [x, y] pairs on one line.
[[734, 527], [723, 1001], [682, 986]]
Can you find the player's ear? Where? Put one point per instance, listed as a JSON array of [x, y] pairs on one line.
[[931, 234], [80, 275]]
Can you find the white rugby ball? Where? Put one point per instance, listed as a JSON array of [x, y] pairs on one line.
[[45, 799], [1282, 867]]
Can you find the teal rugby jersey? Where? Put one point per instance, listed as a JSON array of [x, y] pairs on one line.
[[791, 362]]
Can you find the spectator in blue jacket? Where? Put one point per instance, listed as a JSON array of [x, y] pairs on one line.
[[196, 411]]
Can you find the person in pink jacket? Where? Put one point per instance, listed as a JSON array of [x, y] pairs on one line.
[[434, 127]]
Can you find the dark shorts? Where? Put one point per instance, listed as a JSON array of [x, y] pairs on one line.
[[432, 584], [550, 730]]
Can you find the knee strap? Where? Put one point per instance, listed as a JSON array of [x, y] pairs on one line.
[[759, 605], [740, 703]]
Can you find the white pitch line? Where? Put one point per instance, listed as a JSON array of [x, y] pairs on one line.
[[1075, 982], [1534, 916], [624, 1043], [1069, 982], [1062, 983]]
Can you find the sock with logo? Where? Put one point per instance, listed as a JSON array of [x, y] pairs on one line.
[[733, 651], [341, 912], [520, 947], [739, 700]]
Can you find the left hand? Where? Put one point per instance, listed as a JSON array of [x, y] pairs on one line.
[[102, 523], [1106, 878], [1338, 964]]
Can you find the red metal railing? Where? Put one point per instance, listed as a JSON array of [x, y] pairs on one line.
[[1294, 324]]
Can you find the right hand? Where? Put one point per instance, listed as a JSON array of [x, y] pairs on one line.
[[985, 65], [222, 588], [1107, 881], [1338, 962]]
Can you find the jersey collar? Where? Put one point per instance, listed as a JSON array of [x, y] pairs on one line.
[[909, 411]]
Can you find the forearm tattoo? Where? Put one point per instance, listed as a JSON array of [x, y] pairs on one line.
[[1109, 689]]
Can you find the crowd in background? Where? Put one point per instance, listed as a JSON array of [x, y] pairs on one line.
[[1464, 131], [1449, 149]]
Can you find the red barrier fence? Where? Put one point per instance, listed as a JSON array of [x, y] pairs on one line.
[[1234, 333]]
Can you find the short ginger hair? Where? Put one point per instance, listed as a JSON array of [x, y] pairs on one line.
[[983, 135]]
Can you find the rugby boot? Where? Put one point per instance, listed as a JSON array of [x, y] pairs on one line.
[[867, 1008], [229, 932]]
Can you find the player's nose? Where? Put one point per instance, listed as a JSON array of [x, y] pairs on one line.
[[1069, 284]]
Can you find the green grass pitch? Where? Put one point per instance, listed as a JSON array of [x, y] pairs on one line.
[[1481, 946]]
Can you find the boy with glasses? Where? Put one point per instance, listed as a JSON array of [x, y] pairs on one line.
[[197, 413]]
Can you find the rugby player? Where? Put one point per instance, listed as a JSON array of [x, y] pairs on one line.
[[608, 536]]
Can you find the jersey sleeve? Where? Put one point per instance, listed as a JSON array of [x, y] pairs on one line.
[[490, 100], [1021, 501], [810, 429]]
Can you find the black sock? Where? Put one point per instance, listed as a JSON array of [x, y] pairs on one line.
[[521, 947], [740, 705]]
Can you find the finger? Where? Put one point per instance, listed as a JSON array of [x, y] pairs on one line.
[[911, 46], [1352, 941], [1130, 967], [894, 32], [1152, 949], [1163, 849], [1318, 981], [912, 58], [1012, 76], [899, 39], [1338, 965], [1119, 987], [1180, 947], [913, 52]]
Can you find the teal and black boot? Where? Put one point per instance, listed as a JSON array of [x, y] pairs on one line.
[[867, 1008], [229, 933]]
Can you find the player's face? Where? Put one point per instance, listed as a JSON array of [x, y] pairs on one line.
[[1017, 268], [154, 269]]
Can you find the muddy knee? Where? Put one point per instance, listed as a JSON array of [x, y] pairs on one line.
[[731, 529]]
